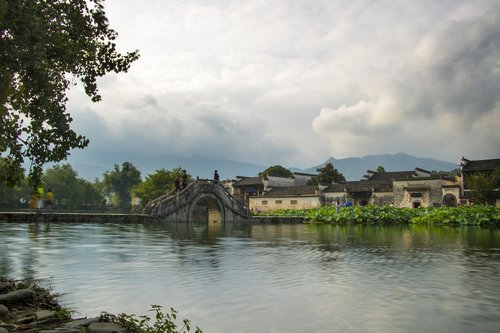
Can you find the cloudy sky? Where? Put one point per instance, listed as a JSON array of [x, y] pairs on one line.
[[294, 82]]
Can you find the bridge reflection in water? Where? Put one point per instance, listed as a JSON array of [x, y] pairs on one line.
[[202, 200]]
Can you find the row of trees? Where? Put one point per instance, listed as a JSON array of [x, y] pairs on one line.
[[118, 186], [326, 175], [113, 192]]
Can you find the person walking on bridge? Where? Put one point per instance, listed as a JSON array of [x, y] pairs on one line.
[[177, 183], [184, 179], [216, 177], [50, 200]]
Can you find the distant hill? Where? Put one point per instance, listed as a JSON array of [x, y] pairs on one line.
[[91, 164], [353, 168]]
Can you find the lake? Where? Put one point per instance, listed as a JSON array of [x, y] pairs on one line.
[[269, 278]]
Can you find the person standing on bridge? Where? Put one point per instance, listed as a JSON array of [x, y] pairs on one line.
[[50, 200], [184, 179], [216, 177], [177, 183]]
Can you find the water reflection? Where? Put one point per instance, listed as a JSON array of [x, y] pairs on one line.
[[292, 278]]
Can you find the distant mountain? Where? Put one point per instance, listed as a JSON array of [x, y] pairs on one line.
[[91, 164], [353, 168]]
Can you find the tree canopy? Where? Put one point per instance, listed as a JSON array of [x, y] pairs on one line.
[[276, 170], [380, 169], [157, 184], [485, 187], [120, 182], [44, 47], [71, 192], [327, 175]]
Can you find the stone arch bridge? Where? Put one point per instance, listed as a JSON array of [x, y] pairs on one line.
[[202, 196]]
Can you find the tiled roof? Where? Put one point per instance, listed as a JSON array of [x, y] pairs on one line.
[[361, 186], [292, 191], [480, 165], [305, 174], [392, 175], [249, 181]]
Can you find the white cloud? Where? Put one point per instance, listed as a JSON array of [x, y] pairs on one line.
[[443, 103], [295, 82]]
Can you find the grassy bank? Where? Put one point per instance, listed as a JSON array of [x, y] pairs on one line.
[[462, 215]]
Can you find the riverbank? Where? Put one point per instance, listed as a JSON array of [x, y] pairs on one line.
[[27, 307], [44, 216]]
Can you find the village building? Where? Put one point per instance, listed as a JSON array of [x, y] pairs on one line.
[[409, 189], [245, 188], [291, 197], [471, 167], [358, 193]]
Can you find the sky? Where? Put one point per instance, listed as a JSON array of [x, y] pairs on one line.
[[295, 82]]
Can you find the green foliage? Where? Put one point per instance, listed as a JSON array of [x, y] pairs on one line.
[[484, 187], [461, 215], [380, 169], [283, 212], [15, 197], [327, 175], [45, 46], [71, 192], [120, 183], [64, 313], [157, 184], [11, 174], [277, 171], [360, 214], [164, 322], [452, 173], [44, 297]]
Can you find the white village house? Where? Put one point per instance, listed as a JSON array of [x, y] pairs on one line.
[[412, 189]]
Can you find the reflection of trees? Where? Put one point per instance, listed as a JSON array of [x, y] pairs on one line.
[[193, 243], [17, 256], [481, 265]]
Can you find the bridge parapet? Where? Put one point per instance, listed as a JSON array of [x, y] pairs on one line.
[[179, 206]]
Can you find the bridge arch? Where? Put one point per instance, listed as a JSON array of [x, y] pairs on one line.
[[212, 206]]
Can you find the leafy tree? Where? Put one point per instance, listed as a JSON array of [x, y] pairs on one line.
[[44, 47], [380, 169], [157, 184], [71, 192], [452, 173], [327, 175], [485, 187], [15, 197], [93, 198], [276, 170], [120, 183]]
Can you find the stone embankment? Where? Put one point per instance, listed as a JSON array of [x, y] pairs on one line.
[[44, 216], [28, 308]]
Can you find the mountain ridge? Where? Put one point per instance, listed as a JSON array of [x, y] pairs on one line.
[[92, 164], [353, 168]]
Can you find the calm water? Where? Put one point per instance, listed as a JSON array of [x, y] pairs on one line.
[[284, 278]]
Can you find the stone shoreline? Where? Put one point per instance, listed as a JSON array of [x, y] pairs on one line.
[[28, 308], [41, 217]]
